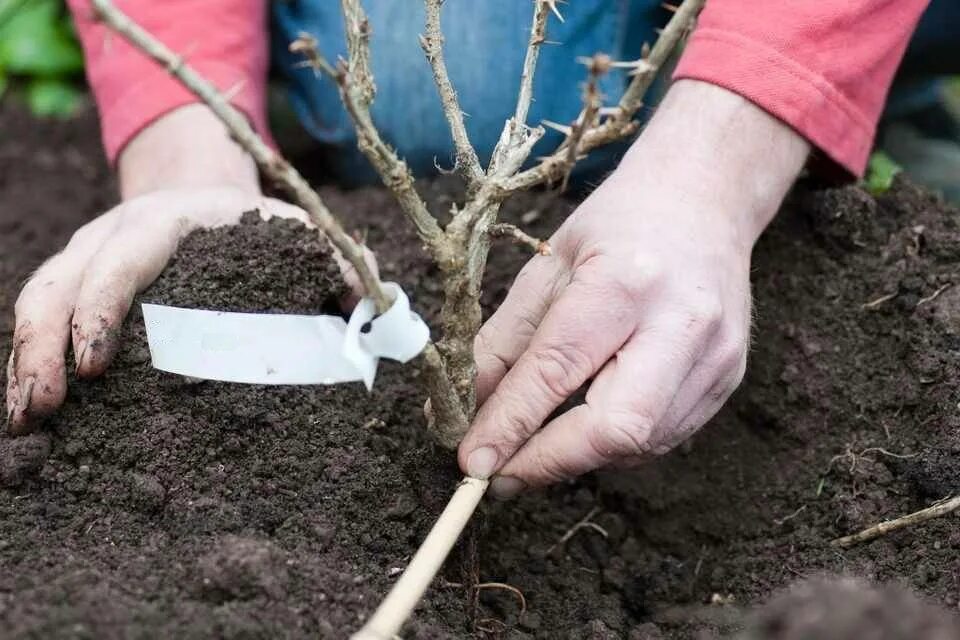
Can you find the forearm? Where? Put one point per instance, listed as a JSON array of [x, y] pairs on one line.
[[186, 148], [714, 148]]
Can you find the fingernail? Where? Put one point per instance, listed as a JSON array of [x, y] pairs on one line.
[[81, 351], [506, 487], [26, 393], [482, 463]]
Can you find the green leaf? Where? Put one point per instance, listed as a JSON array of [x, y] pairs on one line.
[[50, 97], [34, 40], [880, 173]]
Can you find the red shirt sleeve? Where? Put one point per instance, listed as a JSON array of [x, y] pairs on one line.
[[824, 67], [224, 40]]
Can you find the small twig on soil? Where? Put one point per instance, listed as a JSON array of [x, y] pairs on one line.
[[504, 229], [935, 511], [877, 302], [781, 521], [273, 166], [407, 591], [933, 296], [584, 523]]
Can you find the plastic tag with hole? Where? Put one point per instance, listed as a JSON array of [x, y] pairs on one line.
[[258, 348]]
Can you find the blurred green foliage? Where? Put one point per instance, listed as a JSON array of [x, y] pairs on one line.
[[881, 171], [40, 58]]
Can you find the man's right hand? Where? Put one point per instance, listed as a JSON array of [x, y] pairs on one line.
[[181, 173]]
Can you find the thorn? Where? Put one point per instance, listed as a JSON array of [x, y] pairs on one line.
[[552, 4], [659, 32], [441, 170], [642, 66], [26, 394], [565, 130], [645, 50], [233, 91], [672, 8]]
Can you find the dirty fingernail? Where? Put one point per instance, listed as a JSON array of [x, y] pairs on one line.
[[26, 393], [482, 463], [81, 351], [506, 487]]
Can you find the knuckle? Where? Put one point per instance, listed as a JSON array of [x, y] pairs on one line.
[[560, 369], [731, 362], [618, 433], [704, 311], [628, 275]]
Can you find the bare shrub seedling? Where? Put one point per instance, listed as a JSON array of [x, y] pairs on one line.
[[460, 248]]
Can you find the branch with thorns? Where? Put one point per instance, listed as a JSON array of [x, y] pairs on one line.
[[461, 248]]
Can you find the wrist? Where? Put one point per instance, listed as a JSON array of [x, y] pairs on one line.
[[185, 148], [717, 151]]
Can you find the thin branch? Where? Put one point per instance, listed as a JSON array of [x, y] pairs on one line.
[[506, 230], [620, 123], [307, 46], [597, 66], [357, 91], [940, 509], [273, 166], [432, 44], [517, 139], [538, 34]]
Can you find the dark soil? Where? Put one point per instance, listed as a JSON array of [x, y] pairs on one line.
[[154, 506]]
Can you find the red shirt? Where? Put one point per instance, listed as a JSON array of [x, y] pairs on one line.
[[822, 66]]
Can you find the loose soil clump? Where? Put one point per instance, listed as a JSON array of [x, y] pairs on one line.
[[157, 506]]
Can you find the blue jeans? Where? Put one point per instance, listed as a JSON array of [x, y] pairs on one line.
[[485, 45]]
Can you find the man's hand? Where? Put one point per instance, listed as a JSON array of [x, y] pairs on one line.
[[647, 294], [181, 174]]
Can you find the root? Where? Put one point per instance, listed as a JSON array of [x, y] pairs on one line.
[[480, 625], [933, 296], [941, 508], [855, 458], [585, 523]]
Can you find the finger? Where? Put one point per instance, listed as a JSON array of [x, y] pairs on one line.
[[506, 335], [36, 375], [626, 401], [271, 207], [112, 278], [703, 395], [565, 351]]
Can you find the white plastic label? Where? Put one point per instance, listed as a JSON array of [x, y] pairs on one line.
[[258, 348]]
